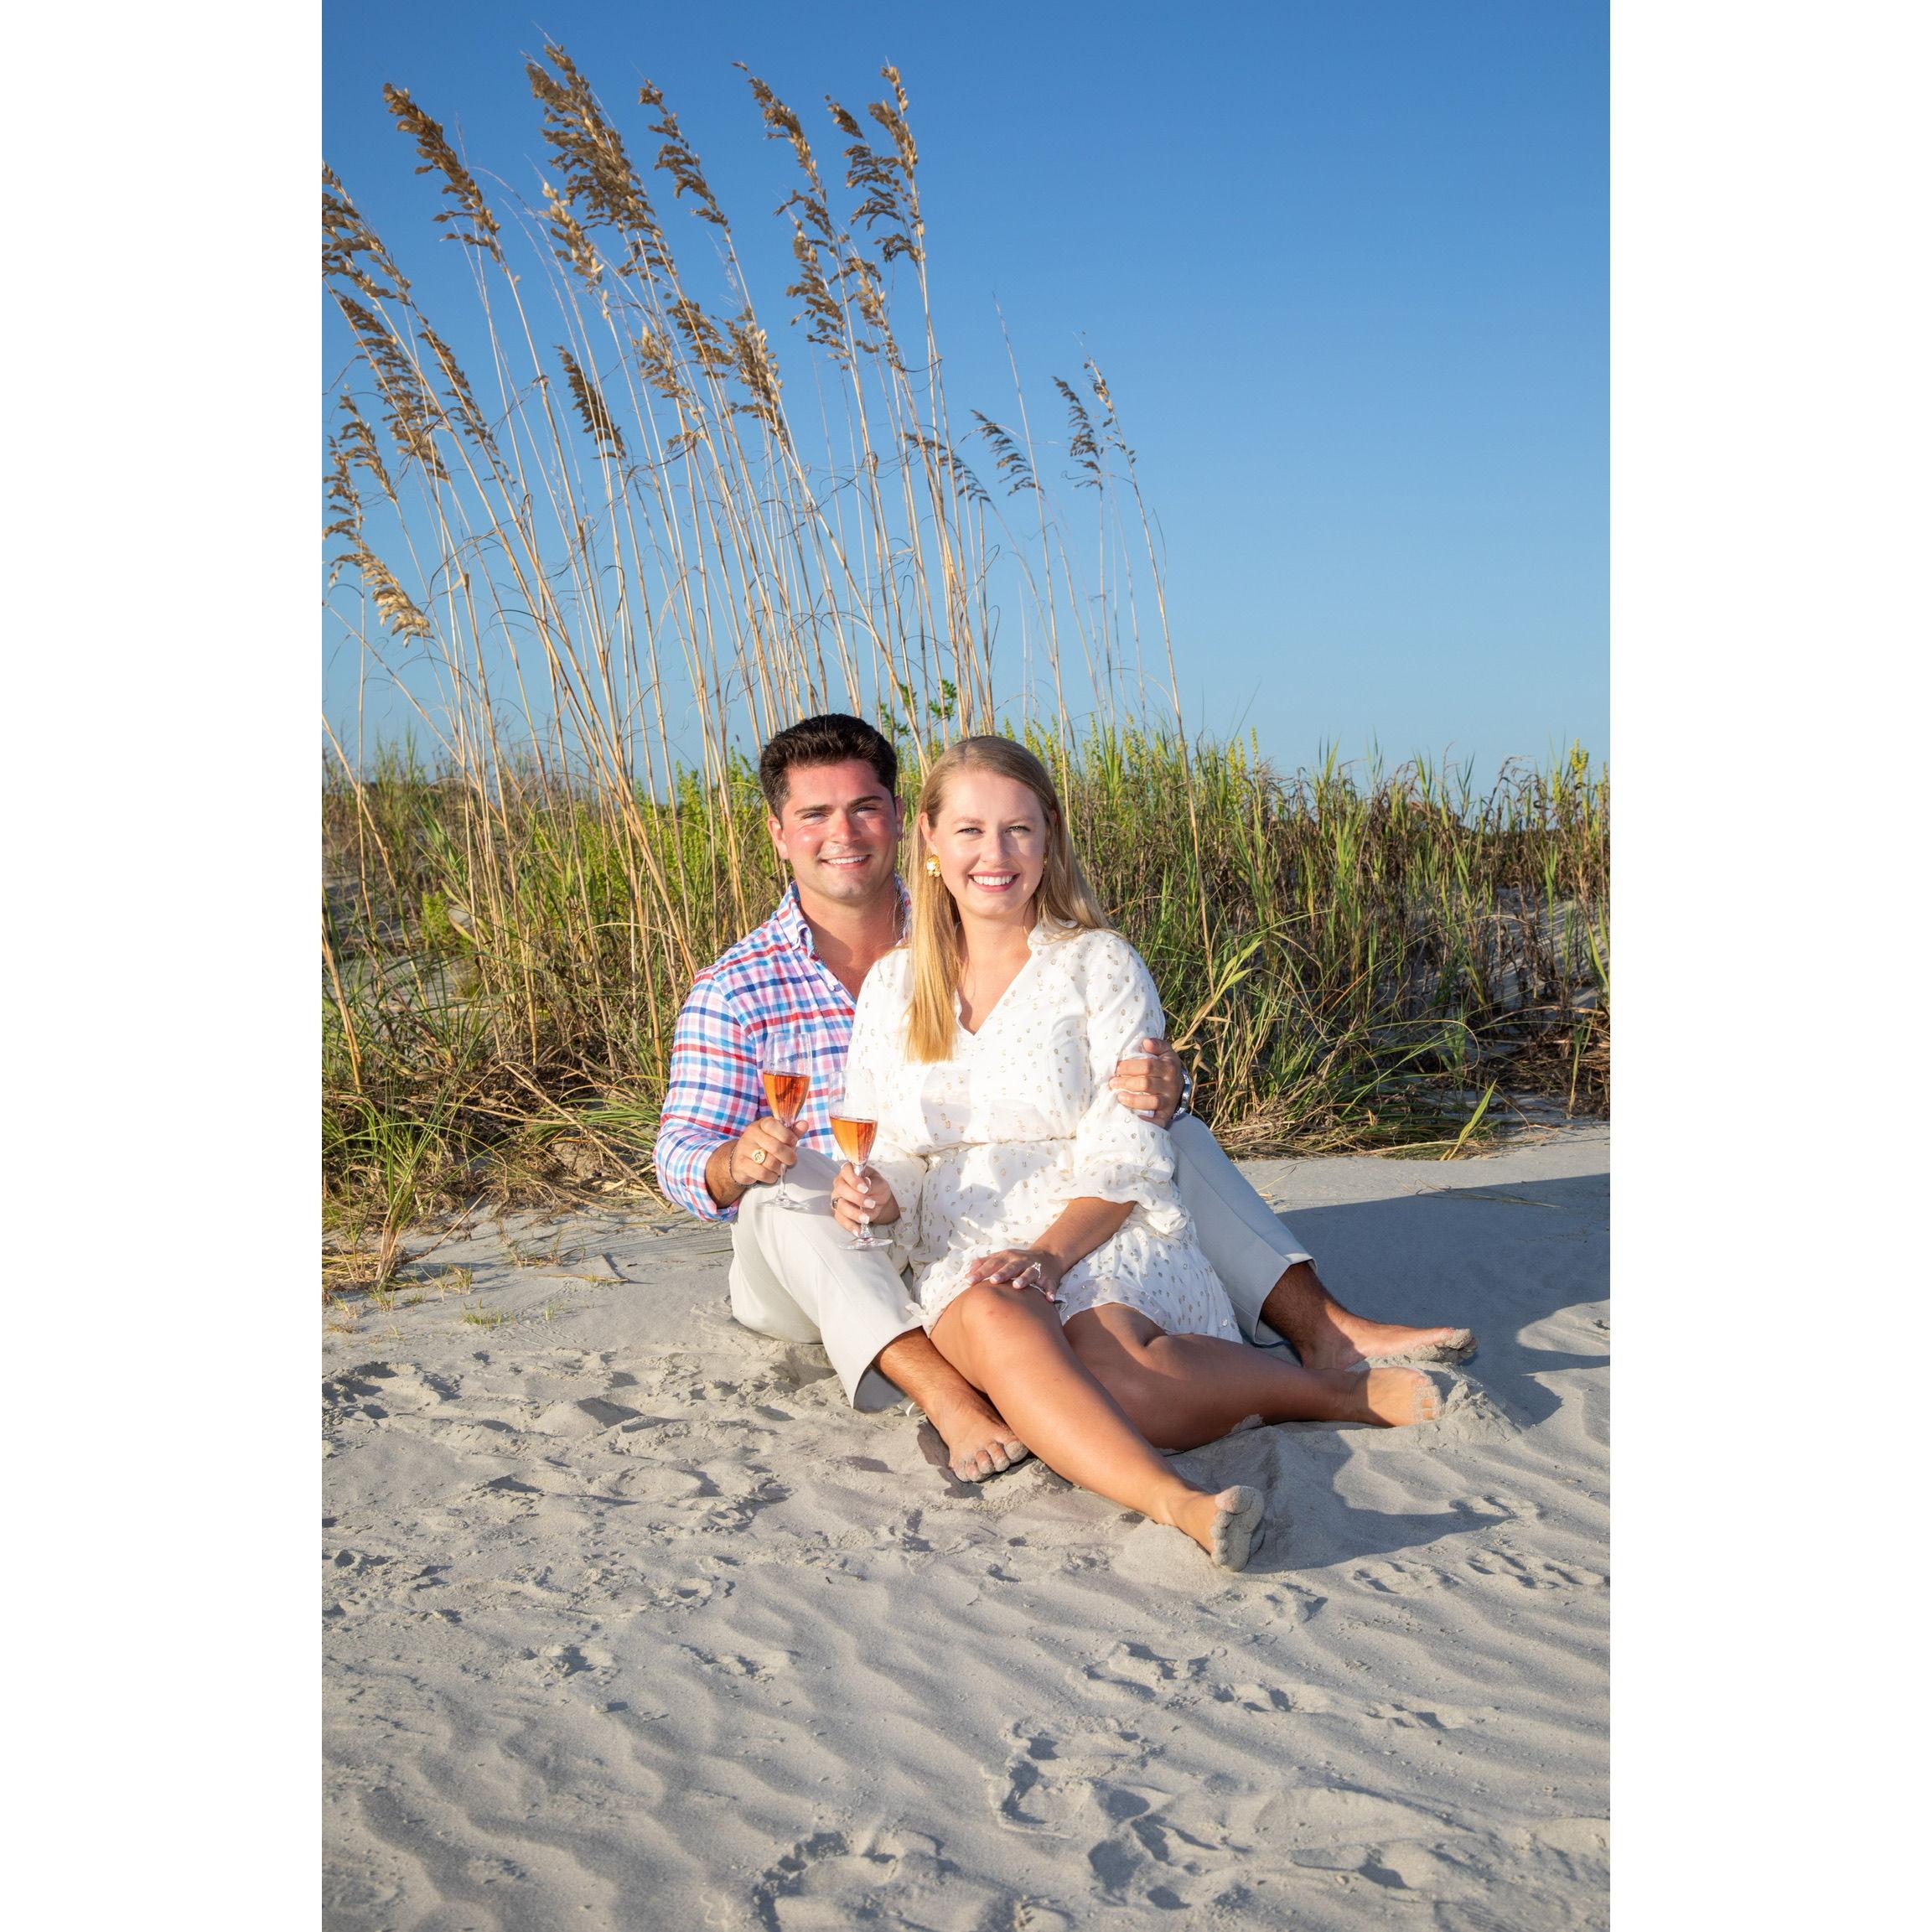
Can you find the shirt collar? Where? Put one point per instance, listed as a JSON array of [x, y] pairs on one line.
[[790, 919]]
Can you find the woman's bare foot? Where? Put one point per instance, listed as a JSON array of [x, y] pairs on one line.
[[1228, 1527], [1239, 1513], [978, 1443], [1397, 1397]]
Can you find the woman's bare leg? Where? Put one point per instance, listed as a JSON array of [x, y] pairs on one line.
[[1009, 1344], [1182, 1391]]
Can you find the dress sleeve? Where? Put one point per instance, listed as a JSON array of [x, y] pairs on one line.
[[874, 1074], [1118, 1156]]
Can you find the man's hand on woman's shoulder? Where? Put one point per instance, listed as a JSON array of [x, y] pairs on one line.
[[1151, 1086]]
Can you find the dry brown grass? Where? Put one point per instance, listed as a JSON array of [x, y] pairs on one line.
[[606, 538]]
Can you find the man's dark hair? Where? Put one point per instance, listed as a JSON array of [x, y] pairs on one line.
[[831, 738]]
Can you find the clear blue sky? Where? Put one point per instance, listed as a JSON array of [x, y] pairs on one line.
[[1345, 266]]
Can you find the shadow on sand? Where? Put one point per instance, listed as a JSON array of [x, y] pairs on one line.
[[1507, 1260]]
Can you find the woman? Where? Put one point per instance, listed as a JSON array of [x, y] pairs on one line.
[[1056, 1267]]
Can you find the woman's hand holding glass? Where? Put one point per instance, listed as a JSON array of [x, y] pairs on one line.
[[862, 1195]]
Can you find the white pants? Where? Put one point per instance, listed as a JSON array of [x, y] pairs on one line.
[[1244, 1244], [792, 1276]]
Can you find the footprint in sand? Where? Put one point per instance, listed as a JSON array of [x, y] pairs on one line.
[[355, 1581], [1574, 1851], [796, 1370], [1020, 1778], [1418, 1717], [1535, 1573], [692, 1593], [1170, 1851], [1149, 1851], [832, 1879], [1142, 1672], [604, 1413], [1395, 1578], [737, 1664], [373, 1391], [356, 1562], [570, 1421], [560, 1660], [1265, 1700], [1030, 1792]]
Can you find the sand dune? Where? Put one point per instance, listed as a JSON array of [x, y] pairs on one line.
[[630, 1623]]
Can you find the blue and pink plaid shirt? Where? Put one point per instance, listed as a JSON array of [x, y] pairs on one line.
[[772, 979]]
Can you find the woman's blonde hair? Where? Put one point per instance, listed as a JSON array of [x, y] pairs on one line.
[[1064, 898]]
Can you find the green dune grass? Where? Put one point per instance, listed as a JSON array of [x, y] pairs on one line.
[[610, 546]]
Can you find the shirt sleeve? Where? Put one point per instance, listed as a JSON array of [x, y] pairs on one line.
[[714, 1093], [872, 1071], [1118, 1156]]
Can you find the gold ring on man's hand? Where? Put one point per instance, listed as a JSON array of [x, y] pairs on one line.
[[758, 1155]]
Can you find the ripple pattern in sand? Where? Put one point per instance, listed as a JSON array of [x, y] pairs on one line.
[[630, 1623]]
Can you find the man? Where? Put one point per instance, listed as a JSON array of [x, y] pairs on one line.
[[831, 783]]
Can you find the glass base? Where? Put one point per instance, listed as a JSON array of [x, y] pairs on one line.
[[798, 1204], [867, 1239]]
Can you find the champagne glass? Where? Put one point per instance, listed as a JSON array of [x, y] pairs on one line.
[[786, 1066], [854, 1133]]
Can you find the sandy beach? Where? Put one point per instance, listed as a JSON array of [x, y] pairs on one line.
[[630, 1623]]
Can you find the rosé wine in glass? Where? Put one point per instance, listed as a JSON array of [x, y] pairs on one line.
[[786, 1066], [854, 1134]]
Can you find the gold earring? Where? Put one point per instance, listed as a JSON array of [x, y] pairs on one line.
[[931, 867]]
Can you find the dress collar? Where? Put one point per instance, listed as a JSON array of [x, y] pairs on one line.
[[1042, 933], [1048, 932]]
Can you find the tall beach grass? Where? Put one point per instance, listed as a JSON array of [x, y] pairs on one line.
[[596, 546]]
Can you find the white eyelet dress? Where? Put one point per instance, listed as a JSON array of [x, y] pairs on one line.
[[984, 1150]]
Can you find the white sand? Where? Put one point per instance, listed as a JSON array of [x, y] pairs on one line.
[[631, 1623]]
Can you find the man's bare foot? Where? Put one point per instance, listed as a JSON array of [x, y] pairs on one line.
[[1228, 1527], [1361, 1341], [1326, 1335], [1347, 1342], [978, 1443]]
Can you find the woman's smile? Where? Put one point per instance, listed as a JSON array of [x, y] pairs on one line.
[[989, 843]]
